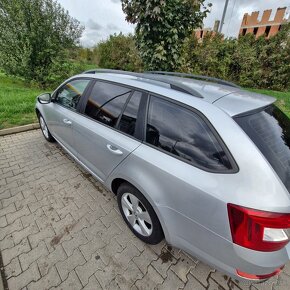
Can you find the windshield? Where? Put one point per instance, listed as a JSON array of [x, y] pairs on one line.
[[270, 131]]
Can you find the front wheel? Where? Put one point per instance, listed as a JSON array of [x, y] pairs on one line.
[[44, 129], [139, 214]]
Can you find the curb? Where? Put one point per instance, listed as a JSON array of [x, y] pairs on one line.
[[1, 284], [19, 129], [3, 281]]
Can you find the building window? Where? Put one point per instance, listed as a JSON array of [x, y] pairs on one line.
[[201, 33], [267, 31], [244, 31], [255, 30], [279, 28]]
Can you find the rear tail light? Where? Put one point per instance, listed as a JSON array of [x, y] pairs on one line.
[[259, 230]]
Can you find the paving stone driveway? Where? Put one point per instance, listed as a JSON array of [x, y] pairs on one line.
[[60, 229]]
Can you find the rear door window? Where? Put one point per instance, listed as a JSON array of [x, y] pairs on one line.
[[106, 102], [129, 118], [181, 132], [270, 131]]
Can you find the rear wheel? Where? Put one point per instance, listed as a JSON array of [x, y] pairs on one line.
[[139, 214], [44, 129]]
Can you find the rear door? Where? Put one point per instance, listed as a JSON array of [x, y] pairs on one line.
[[106, 133]]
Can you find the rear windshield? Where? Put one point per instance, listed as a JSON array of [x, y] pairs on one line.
[[270, 131]]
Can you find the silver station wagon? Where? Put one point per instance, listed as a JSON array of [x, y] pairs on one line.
[[196, 160]]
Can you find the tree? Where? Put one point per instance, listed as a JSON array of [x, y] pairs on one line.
[[35, 36], [162, 26], [119, 52]]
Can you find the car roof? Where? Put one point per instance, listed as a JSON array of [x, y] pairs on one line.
[[227, 96]]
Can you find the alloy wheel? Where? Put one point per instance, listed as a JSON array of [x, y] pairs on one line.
[[43, 127], [136, 214]]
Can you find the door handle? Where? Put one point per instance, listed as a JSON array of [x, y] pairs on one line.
[[114, 150], [67, 122]]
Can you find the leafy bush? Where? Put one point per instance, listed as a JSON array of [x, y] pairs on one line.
[[60, 70], [261, 63], [118, 52]]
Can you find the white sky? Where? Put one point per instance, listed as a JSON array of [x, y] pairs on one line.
[[104, 17]]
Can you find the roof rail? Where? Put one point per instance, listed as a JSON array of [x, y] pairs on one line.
[[201, 77], [146, 75], [105, 70]]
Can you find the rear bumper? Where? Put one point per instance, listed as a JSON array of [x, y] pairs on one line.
[[219, 252], [258, 264]]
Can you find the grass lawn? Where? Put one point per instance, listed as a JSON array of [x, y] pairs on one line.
[[17, 101], [283, 99]]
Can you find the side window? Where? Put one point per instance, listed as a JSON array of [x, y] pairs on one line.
[[128, 120], [183, 133], [70, 94], [106, 102]]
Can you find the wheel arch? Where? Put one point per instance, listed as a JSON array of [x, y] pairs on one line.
[[116, 183], [37, 112]]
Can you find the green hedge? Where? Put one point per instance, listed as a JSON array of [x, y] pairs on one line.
[[262, 63]]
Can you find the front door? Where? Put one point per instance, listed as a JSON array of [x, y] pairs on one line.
[[61, 114]]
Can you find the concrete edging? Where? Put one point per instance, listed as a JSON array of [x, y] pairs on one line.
[[19, 129]]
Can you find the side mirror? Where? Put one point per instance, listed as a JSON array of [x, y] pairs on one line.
[[44, 98]]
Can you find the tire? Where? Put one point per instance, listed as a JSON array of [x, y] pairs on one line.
[[44, 129], [139, 215]]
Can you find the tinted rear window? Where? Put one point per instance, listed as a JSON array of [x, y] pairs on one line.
[[270, 131]]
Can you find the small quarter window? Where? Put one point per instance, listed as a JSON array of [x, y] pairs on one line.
[[106, 102], [183, 133]]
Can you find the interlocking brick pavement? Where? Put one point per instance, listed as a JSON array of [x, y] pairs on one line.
[[60, 229]]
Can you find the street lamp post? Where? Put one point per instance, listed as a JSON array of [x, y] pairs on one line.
[[223, 17]]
